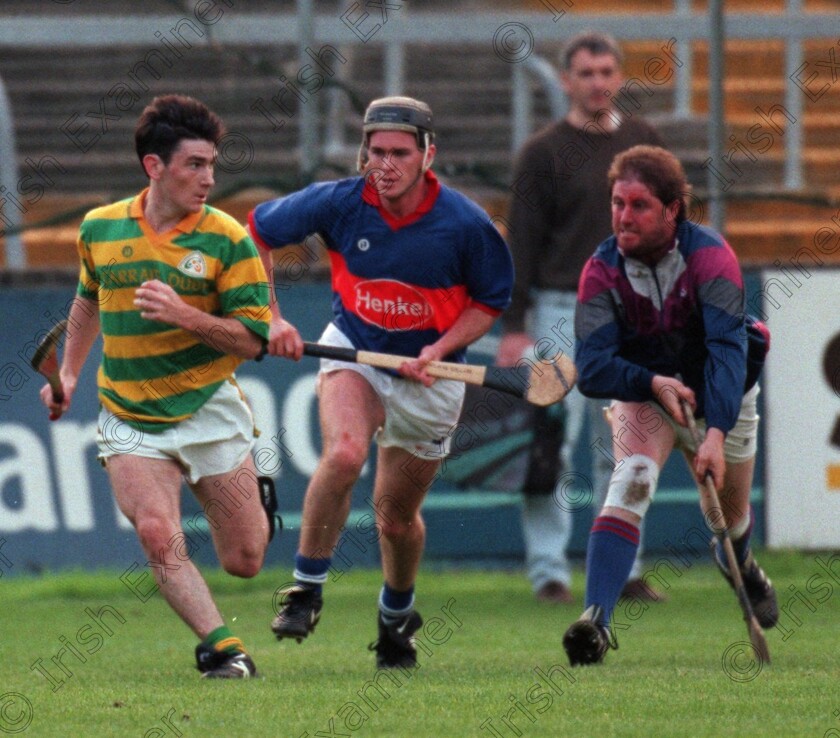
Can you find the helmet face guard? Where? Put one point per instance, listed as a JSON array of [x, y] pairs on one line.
[[398, 114]]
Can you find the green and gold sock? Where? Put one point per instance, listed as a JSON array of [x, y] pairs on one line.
[[222, 639]]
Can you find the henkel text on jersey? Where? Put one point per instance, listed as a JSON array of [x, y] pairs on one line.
[[392, 305], [396, 306]]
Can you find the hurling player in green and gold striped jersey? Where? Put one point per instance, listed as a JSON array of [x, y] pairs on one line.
[[181, 298], [157, 373]]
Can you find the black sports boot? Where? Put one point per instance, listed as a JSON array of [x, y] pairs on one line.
[[299, 613], [215, 664], [395, 646], [760, 590], [586, 641]]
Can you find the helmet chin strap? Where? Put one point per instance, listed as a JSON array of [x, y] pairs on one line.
[[427, 159], [361, 157]]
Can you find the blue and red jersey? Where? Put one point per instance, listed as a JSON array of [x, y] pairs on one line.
[[684, 317], [398, 284]]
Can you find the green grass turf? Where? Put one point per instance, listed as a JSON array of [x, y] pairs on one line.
[[683, 668]]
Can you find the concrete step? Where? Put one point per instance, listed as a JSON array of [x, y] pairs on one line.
[[748, 58], [819, 128], [761, 229], [819, 165], [55, 245], [805, 207], [744, 95], [784, 240], [467, 87]]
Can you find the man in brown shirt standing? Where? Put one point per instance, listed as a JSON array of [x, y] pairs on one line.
[[558, 216]]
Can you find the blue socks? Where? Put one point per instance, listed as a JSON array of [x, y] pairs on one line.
[[609, 557], [311, 573], [395, 605]]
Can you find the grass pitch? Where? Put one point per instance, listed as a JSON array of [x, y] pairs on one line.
[[82, 655]]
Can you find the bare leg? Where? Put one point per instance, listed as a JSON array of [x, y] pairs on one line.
[[148, 491], [614, 538], [656, 444], [735, 496], [398, 497], [238, 522], [350, 414]]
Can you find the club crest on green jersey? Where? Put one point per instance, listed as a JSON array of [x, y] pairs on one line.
[[193, 265]]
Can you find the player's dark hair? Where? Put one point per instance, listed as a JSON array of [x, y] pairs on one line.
[[595, 42], [656, 168], [168, 119]]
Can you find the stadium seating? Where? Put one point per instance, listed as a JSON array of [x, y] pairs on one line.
[[467, 86]]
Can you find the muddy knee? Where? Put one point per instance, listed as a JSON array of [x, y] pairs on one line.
[[633, 484]]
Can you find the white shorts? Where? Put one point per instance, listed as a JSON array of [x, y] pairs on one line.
[[741, 442], [418, 419], [214, 440]]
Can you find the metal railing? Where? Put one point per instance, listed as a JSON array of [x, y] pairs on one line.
[[11, 216]]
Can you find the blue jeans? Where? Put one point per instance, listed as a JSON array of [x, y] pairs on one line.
[[547, 519]]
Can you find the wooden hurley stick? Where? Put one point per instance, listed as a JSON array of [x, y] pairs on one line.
[[710, 504], [543, 383], [45, 361]]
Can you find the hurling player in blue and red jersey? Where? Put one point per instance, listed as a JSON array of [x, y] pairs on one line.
[[660, 321], [417, 270]]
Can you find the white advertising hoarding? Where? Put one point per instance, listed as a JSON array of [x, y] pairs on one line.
[[801, 423]]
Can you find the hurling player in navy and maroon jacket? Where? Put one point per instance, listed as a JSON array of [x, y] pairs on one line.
[[660, 321], [417, 270]]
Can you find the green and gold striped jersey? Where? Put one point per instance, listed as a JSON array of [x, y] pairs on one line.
[[152, 374]]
